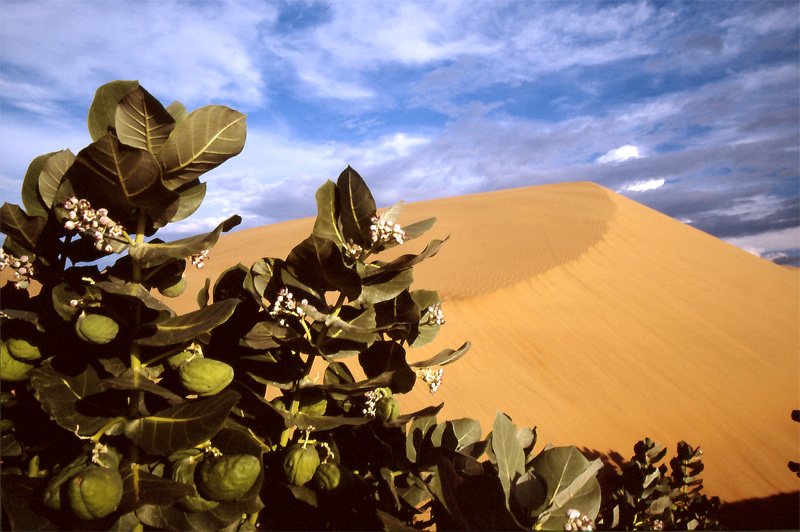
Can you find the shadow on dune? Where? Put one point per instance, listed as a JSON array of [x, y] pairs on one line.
[[776, 512]]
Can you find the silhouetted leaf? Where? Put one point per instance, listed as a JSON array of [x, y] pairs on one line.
[[134, 291], [26, 230], [59, 395], [318, 262], [418, 431], [103, 110], [506, 447], [31, 200], [142, 122], [326, 224], [206, 138], [122, 179], [264, 333], [357, 207], [186, 327], [191, 197], [18, 500], [154, 254], [182, 426], [52, 174], [385, 356]]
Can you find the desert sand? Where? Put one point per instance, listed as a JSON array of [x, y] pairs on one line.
[[601, 322]]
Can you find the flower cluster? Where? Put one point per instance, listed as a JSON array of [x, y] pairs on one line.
[[431, 377], [373, 396], [386, 231], [285, 303], [22, 266], [198, 261], [93, 223], [434, 315], [352, 249], [576, 521]]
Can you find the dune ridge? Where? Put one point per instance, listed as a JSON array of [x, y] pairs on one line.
[[601, 322]]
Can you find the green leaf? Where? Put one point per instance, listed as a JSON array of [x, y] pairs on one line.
[[134, 380], [460, 433], [31, 200], [182, 426], [137, 292], [417, 433], [386, 356], [184, 328], [570, 481], [21, 494], [377, 289], [506, 447], [264, 333], [59, 395], [191, 197], [318, 262], [327, 223], [418, 228], [148, 489], [103, 110], [447, 356], [150, 254], [178, 111], [52, 173], [122, 179], [142, 122], [404, 262], [357, 207], [206, 138]]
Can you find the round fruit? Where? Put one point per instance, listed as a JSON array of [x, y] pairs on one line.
[[228, 477], [313, 402], [173, 289], [387, 409], [328, 476], [12, 369], [184, 472], [205, 376], [96, 328], [22, 349], [176, 360], [94, 492], [300, 464], [52, 495]]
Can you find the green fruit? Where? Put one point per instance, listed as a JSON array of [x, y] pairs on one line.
[[278, 403], [205, 376], [184, 472], [12, 369], [328, 476], [229, 477], [387, 409], [176, 360], [96, 328], [22, 349], [313, 402], [94, 492], [172, 288], [300, 464], [52, 495]]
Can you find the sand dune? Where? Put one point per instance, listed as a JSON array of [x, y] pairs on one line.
[[602, 322]]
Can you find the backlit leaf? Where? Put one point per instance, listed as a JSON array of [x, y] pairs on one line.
[[178, 111], [357, 207], [103, 110], [31, 200], [326, 224], [52, 174], [191, 197], [447, 356], [203, 140], [142, 122], [506, 447], [26, 230]]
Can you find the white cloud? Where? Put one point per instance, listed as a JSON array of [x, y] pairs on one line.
[[768, 241], [617, 155], [641, 186]]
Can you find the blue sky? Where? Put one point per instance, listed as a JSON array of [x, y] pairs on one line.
[[691, 108]]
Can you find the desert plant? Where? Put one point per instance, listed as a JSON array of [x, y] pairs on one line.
[[119, 414], [641, 495]]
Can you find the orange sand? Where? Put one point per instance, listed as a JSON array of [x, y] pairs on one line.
[[602, 322]]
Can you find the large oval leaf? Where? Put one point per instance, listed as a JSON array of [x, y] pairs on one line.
[[356, 207], [206, 138], [506, 447], [31, 200], [52, 173], [327, 223], [182, 426], [186, 327], [103, 110], [142, 122], [318, 262]]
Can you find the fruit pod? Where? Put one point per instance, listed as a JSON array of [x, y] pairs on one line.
[[205, 376], [23, 350], [94, 492], [184, 471], [331, 476], [300, 464], [96, 328], [52, 494], [313, 402], [12, 369], [172, 287], [387, 409], [175, 361], [228, 477]]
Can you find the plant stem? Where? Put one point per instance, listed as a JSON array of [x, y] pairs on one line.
[[323, 332], [99, 434]]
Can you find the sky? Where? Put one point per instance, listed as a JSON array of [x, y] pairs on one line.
[[690, 108]]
